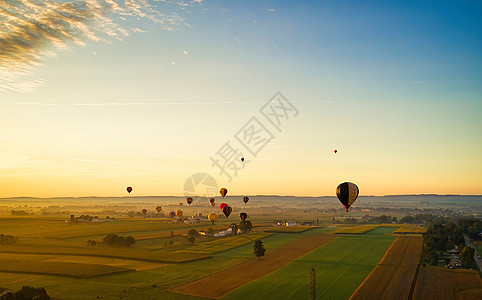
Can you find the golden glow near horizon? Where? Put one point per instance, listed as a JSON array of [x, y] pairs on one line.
[[130, 97]]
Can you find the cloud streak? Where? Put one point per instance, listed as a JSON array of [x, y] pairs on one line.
[[32, 30]]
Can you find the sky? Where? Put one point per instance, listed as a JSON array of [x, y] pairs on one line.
[[98, 95]]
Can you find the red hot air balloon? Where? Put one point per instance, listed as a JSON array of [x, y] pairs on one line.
[[222, 205], [189, 200], [335, 151], [212, 201], [144, 211], [129, 189], [227, 210]]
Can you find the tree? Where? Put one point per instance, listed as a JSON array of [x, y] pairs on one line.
[[467, 257], [191, 239], [192, 232], [312, 284], [245, 226], [258, 249], [210, 231]]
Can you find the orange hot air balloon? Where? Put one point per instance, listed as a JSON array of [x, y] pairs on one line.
[[129, 189], [179, 213], [189, 200], [243, 216], [227, 210], [212, 217], [245, 199], [223, 192], [212, 201]]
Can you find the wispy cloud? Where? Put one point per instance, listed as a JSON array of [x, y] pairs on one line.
[[270, 9], [32, 30]]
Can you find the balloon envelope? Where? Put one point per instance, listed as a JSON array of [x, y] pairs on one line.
[[212, 217], [335, 151], [189, 200], [158, 209], [144, 211], [172, 214], [243, 216], [212, 201], [179, 213], [245, 199], [223, 192], [129, 189], [227, 210], [347, 193], [222, 205]]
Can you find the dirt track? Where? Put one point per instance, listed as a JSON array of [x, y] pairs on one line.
[[223, 282]]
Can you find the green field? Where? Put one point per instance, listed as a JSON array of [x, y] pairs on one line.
[[341, 266]]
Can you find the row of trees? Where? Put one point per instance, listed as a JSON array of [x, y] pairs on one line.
[[27, 293], [472, 227], [118, 241], [7, 239]]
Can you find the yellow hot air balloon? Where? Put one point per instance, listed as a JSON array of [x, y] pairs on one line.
[[179, 213], [212, 217], [223, 192]]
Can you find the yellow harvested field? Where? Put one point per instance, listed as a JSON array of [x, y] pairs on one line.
[[392, 278], [114, 262], [356, 229], [446, 284], [156, 235], [413, 229], [219, 284]]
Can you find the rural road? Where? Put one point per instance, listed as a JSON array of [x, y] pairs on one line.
[[476, 254]]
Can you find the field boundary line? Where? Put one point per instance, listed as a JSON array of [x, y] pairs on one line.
[[374, 268]]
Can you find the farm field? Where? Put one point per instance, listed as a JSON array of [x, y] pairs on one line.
[[290, 229], [219, 284], [393, 276], [341, 265], [224, 244], [382, 230], [360, 229], [411, 229], [451, 284]]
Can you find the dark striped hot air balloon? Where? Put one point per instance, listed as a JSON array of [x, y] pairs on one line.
[[243, 216], [189, 200], [245, 199], [223, 192], [227, 210], [212, 200], [347, 193], [129, 189]]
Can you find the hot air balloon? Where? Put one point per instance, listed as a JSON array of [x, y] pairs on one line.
[[245, 199], [242, 158], [335, 151], [189, 200], [227, 210], [243, 216], [129, 189], [212, 201], [172, 214], [144, 211], [179, 213], [158, 209], [222, 205], [347, 193], [212, 217], [223, 192]]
